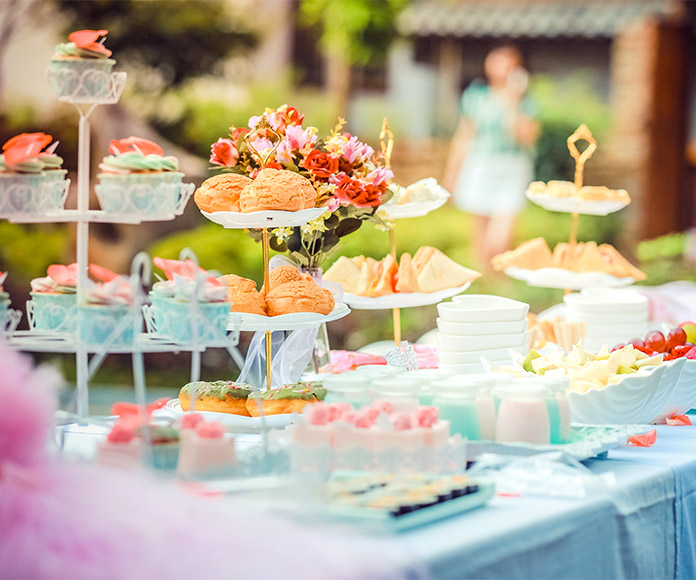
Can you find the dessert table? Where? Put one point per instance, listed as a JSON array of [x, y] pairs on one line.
[[645, 528]]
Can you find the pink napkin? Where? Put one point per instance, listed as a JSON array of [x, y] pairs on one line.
[[646, 440]]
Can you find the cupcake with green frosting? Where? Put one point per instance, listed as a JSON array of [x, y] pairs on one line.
[[80, 69], [31, 178], [137, 178]]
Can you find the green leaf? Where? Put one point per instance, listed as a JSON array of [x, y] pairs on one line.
[[348, 226]]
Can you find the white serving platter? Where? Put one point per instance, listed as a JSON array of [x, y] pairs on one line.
[[172, 410], [264, 219], [401, 300], [295, 321], [575, 205], [566, 279], [412, 209]]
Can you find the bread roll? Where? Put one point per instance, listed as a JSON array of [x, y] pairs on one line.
[[221, 193]]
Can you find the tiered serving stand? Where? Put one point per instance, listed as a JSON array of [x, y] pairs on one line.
[[558, 277], [90, 354], [265, 221], [395, 302]]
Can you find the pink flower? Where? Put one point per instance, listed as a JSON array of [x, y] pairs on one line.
[[379, 176], [354, 149], [297, 137], [224, 153], [191, 420], [63, 275], [135, 144]]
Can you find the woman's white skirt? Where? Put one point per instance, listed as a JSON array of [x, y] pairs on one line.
[[493, 185]]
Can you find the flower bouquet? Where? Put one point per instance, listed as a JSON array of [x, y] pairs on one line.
[[347, 175]]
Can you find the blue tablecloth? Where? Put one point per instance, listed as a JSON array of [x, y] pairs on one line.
[[646, 528]]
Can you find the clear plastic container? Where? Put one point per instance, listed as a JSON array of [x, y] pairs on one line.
[[375, 371], [523, 414], [401, 391], [456, 403], [486, 405], [348, 387], [428, 379]]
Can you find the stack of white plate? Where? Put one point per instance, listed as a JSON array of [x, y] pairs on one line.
[[612, 315], [474, 326]]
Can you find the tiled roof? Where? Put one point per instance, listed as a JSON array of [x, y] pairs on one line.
[[523, 19]]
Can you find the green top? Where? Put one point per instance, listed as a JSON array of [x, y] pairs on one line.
[[491, 119], [311, 391], [219, 389]]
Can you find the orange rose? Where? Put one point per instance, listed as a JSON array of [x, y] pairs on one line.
[[351, 191], [320, 164]]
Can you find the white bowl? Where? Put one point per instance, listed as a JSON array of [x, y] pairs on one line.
[[606, 318], [481, 328], [476, 343], [607, 300], [482, 308], [683, 397], [497, 355], [637, 399], [627, 331]]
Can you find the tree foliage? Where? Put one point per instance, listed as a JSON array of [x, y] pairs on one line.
[[177, 39], [362, 30]]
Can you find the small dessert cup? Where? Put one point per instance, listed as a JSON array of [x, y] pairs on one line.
[[81, 79], [52, 312], [20, 194], [173, 318], [105, 324], [140, 193], [54, 189]]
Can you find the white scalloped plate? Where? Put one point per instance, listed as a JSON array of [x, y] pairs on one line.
[[173, 410], [638, 398], [264, 219], [683, 397], [560, 278], [412, 209], [402, 300], [294, 321], [574, 205]]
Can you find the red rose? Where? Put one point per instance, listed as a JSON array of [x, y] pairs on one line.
[[224, 153], [345, 166], [351, 191], [320, 164]]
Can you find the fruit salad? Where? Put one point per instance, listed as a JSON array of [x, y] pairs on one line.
[[591, 371], [678, 343]]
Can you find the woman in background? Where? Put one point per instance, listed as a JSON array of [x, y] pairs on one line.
[[490, 162]]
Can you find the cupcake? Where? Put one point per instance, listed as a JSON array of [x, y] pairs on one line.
[[138, 179], [190, 304], [80, 69], [31, 178], [105, 315], [54, 299], [165, 447]]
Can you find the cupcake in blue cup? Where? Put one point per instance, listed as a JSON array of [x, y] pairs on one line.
[[54, 299], [106, 315], [55, 185], [191, 305], [138, 179], [80, 69], [22, 175]]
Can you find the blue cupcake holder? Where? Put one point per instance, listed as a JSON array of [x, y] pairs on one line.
[[183, 321], [21, 194], [165, 456], [54, 189], [105, 325], [143, 194], [52, 312], [81, 79]]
